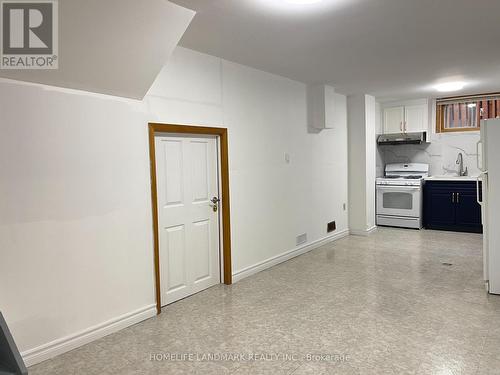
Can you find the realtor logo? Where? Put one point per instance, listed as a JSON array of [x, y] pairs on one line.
[[29, 34]]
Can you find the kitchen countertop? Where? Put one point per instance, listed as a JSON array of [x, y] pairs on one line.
[[451, 178]]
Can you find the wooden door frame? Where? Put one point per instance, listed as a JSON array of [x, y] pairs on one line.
[[154, 129]]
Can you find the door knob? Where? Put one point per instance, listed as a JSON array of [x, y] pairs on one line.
[[215, 201]]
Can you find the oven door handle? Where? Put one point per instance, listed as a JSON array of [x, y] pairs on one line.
[[392, 187]]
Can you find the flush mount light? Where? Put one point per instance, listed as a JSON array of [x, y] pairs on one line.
[[450, 86], [303, 1], [299, 7]]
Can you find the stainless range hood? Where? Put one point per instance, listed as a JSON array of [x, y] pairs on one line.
[[402, 139]]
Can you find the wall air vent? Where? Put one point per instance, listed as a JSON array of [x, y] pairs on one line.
[[301, 239]]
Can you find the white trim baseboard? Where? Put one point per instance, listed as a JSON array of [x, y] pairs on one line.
[[365, 232], [65, 344], [283, 257]]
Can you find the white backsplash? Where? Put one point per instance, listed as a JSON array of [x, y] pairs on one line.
[[441, 154]]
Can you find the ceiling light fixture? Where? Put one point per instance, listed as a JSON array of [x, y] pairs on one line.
[[303, 2], [450, 86], [300, 7]]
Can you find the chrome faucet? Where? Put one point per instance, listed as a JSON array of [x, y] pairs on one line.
[[460, 162]]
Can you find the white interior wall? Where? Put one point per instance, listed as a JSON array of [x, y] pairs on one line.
[[357, 162], [371, 152], [75, 216], [362, 162]]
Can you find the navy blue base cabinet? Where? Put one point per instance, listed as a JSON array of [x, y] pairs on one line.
[[452, 205]]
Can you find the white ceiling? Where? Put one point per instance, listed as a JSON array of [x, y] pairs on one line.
[[387, 48], [115, 47]]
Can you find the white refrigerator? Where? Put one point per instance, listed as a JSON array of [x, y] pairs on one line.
[[488, 150]]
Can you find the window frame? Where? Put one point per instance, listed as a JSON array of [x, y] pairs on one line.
[[441, 102]]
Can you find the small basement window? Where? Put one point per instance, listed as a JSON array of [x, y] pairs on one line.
[[465, 113]]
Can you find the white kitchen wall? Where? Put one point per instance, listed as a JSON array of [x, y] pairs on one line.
[[75, 209], [441, 154]]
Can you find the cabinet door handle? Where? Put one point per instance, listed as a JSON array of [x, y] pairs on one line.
[[401, 126], [452, 197], [458, 197]]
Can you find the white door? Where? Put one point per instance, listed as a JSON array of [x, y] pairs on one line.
[[393, 120], [187, 183], [415, 118]]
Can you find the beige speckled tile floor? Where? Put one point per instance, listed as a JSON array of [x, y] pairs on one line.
[[383, 304]]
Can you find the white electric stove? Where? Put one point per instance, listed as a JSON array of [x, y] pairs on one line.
[[400, 195]]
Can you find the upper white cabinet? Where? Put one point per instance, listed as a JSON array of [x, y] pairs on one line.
[[409, 117], [394, 118], [415, 118]]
